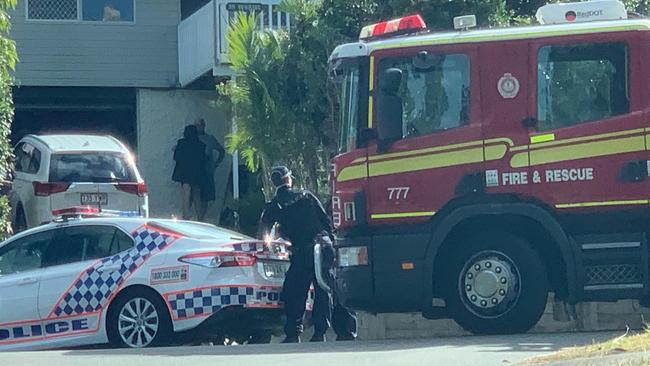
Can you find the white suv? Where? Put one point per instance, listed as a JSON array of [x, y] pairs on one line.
[[54, 172]]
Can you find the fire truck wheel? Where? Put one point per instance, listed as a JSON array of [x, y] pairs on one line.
[[497, 284]]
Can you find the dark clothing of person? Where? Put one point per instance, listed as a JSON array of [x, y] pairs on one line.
[[344, 320], [295, 290], [301, 217], [208, 191], [190, 160]]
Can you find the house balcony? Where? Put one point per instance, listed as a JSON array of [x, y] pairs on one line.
[[202, 44]]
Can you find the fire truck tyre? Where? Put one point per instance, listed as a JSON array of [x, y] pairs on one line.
[[138, 319], [497, 284]]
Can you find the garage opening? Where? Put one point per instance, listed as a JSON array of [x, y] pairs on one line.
[[41, 110]]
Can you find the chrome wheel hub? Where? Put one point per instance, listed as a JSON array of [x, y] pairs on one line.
[[138, 323], [489, 284]]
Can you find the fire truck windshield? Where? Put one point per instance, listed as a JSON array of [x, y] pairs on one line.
[[345, 87]]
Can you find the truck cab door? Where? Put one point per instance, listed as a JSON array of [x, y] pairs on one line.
[[588, 147], [439, 153], [436, 155]]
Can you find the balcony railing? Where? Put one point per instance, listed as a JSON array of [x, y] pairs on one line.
[[202, 44]]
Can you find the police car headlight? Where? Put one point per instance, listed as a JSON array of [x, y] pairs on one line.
[[352, 256]]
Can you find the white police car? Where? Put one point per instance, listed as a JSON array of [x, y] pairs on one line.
[[135, 282]]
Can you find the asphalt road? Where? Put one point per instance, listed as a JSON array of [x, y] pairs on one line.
[[461, 351]]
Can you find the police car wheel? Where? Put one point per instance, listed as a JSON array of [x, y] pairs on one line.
[[496, 284], [138, 320]]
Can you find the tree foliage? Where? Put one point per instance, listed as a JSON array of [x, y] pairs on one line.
[[8, 59], [281, 102]]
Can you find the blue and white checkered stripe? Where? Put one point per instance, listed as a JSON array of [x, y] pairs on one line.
[[206, 301], [92, 290]]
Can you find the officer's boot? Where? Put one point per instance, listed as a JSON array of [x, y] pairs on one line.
[[318, 337], [291, 339]]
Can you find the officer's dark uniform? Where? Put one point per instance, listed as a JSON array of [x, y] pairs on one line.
[[301, 217]]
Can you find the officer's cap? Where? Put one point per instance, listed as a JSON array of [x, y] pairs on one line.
[[278, 174]]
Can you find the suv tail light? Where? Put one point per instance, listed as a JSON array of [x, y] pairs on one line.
[[139, 188], [220, 259], [46, 189]]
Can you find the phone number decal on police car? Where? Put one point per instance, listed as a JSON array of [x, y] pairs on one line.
[[169, 275]]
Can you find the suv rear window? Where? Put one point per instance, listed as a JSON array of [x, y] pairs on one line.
[[96, 167]]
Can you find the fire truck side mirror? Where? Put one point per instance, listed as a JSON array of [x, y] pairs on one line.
[[389, 108]]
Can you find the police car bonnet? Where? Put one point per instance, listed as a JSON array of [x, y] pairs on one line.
[[587, 11]]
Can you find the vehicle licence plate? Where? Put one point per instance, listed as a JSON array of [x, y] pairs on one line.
[[275, 269], [94, 198]]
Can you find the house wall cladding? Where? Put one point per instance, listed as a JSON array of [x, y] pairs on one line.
[[162, 116], [143, 53]]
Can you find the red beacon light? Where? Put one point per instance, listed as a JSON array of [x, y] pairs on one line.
[[409, 24]]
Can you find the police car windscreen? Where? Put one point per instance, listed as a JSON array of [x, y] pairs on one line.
[[95, 167], [198, 230]]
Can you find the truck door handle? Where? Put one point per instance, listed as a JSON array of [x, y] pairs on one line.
[[28, 281], [109, 268], [635, 171], [529, 122]]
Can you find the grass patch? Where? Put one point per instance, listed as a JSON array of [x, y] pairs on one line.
[[628, 342]]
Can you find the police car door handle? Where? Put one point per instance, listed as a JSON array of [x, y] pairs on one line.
[[28, 281], [109, 268]]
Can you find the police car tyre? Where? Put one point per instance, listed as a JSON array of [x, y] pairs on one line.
[[138, 318], [511, 279]]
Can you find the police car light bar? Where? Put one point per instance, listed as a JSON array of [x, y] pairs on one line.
[[587, 11], [87, 211], [411, 23]]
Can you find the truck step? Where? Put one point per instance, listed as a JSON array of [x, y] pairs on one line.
[[612, 267]]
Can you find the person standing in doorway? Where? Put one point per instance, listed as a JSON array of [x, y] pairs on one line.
[[191, 159], [215, 154]]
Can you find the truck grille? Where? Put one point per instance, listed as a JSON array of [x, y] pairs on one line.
[[612, 274]]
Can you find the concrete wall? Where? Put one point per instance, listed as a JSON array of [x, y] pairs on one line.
[[82, 53], [162, 115], [592, 316]]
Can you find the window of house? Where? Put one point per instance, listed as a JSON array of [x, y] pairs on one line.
[[108, 10], [52, 9], [581, 83], [435, 91], [82, 10]]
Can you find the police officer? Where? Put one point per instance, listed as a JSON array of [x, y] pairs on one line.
[[301, 218]]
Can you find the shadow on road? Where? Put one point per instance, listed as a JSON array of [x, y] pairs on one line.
[[511, 343]]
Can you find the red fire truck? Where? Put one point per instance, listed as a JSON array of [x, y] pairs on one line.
[[480, 171]]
